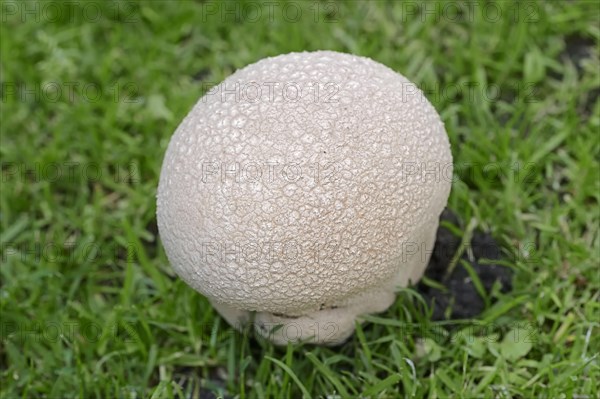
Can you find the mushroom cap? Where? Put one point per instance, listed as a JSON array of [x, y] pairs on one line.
[[301, 182]]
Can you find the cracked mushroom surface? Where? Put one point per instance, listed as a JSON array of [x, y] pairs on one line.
[[302, 191]]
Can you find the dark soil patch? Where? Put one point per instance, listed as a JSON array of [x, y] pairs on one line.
[[201, 74], [460, 299], [578, 48]]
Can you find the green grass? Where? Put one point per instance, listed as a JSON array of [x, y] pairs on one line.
[[90, 306]]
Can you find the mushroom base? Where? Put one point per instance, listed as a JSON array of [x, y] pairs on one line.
[[330, 326]]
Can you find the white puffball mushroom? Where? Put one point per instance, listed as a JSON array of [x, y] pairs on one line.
[[302, 191]]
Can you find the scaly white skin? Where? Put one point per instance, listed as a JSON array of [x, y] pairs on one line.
[[324, 248], [335, 325]]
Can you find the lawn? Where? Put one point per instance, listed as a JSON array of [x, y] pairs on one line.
[[93, 90]]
